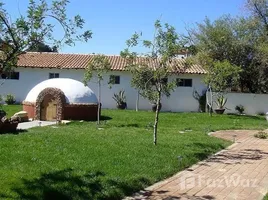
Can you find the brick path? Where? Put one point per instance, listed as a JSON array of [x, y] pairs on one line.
[[238, 172]]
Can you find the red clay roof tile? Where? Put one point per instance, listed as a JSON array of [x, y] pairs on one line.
[[81, 61]]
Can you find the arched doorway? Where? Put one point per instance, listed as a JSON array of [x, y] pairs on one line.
[[49, 108], [50, 104]]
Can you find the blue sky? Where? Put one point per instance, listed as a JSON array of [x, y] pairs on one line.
[[114, 21]]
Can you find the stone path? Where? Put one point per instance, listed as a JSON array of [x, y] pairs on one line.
[[27, 125], [238, 172]]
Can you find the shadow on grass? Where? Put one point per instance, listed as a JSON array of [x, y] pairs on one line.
[[14, 132], [69, 184], [104, 118], [236, 116]]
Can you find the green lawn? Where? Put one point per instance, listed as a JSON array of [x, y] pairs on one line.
[[78, 161], [11, 109]]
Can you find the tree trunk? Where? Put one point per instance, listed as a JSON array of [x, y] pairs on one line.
[[137, 101], [156, 118], [99, 103]]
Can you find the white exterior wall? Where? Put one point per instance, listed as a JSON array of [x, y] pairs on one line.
[[253, 103], [181, 100]]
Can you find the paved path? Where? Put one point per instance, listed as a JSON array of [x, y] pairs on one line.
[[238, 172], [27, 125]]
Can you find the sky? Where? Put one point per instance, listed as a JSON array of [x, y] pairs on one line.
[[114, 21]]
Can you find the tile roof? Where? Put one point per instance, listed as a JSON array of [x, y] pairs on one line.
[[80, 61]]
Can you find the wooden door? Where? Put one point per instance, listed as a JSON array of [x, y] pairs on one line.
[[51, 114], [49, 109]]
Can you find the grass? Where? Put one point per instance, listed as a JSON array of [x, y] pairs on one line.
[[79, 161], [11, 109], [266, 197]]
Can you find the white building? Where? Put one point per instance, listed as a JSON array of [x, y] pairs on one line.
[[34, 68]]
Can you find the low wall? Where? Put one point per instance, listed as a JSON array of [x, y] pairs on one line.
[[70, 112], [253, 103]]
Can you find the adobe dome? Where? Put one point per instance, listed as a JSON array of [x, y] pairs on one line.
[[75, 92]]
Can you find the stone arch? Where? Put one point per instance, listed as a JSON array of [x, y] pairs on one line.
[[59, 97]]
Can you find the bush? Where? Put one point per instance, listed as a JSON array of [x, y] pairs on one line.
[[202, 100], [240, 109], [10, 99], [261, 135], [261, 113]]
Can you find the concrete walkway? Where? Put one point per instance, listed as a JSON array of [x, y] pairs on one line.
[[238, 172], [27, 125]]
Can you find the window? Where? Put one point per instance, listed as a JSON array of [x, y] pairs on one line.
[[181, 82], [11, 75], [54, 75], [114, 79]]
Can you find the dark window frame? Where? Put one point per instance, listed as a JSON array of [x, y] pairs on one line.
[[11, 75], [53, 75], [184, 82], [115, 79]]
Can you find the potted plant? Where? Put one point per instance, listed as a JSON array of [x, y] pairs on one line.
[[220, 102], [120, 100]]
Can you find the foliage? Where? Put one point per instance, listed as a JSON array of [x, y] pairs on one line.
[[120, 98], [261, 113], [1, 101], [221, 101], [41, 47], [202, 100], [150, 70], [240, 42], [60, 168], [10, 99], [18, 35], [261, 135], [240, 109], [222, 75], [98, 66]]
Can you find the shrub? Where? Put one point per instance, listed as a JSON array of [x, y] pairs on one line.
[[202, 100], [261, 113], [10, 99], [261, 135], [240, 109], [120, 99], [1, 99]]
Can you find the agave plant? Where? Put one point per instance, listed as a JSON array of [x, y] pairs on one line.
[[120, 99], [221, 101]]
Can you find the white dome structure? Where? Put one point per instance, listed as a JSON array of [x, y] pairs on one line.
[[59, 99], [75, 92]]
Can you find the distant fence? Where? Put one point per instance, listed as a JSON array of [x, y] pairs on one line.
[[253, 103]]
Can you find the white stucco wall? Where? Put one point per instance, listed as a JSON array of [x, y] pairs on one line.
[[181, 99], [253, 103]]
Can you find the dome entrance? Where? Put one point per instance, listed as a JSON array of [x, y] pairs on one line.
[[58, 99]]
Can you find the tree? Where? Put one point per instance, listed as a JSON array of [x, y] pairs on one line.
[[151, 70], [259, 9], [222, 75], [99, 66], [41, 47], [37, 26], [235, 40]]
